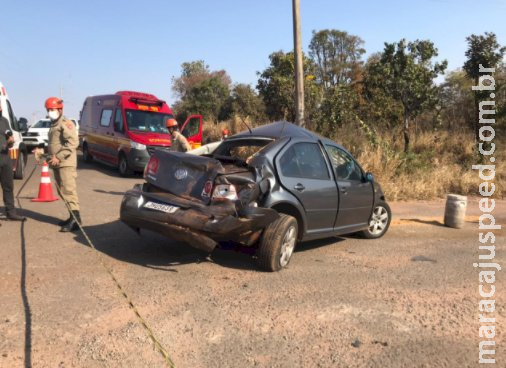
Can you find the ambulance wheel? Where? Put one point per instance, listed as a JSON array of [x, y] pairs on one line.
[[124, 169], [87, 157]]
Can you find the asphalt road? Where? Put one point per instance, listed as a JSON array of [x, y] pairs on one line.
[[409, 299]]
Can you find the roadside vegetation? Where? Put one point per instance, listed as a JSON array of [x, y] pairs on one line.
[[406, 118]]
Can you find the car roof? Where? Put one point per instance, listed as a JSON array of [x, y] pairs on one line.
[[280, 129], [277, 130]]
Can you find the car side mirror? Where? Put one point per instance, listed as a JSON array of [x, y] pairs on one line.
[[369, 177], [23, 125]]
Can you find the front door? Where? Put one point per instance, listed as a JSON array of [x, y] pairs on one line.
[[192, 130], [118, 133], [355, 193], [304, 172]]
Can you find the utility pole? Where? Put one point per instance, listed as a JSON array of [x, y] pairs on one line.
[[299, 75]]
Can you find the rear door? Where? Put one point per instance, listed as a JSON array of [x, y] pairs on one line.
[[304, 172], [355, 193], [192, 130]]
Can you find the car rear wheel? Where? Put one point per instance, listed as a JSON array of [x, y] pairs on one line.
[[277, 243], [87, 157], [379, 222], [124, 169]]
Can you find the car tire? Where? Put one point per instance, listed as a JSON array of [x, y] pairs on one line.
[[277, 243], [87, 157], [379, 222], [123, 168], [20, 166]]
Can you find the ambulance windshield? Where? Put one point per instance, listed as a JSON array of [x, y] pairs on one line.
[[147, 121]]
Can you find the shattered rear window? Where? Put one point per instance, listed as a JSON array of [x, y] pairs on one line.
[[241, 149]]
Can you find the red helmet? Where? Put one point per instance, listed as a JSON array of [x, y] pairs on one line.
[[54, 103], [225, 132], [171, 122]]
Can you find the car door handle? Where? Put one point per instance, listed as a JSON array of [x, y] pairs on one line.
[[299, 187], [344, 191]]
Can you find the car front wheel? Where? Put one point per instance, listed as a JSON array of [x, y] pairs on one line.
[[277, 243], [20, 166], [379, 221]]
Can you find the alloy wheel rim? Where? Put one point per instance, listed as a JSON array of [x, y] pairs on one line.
[[288, 246], [379, 220]]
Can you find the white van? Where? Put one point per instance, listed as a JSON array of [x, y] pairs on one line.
[[18, 152]]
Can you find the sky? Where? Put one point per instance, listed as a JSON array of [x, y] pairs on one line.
[[75, 49]]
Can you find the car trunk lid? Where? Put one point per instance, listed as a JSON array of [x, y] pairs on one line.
[[186, 175]]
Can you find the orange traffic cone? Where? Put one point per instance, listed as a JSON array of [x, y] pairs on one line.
[[45, 188]]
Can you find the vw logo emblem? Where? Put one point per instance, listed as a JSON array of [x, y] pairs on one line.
[[180, 174]]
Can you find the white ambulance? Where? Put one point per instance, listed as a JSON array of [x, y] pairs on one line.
[[18, 152]]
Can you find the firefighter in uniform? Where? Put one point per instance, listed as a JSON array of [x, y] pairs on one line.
[[62, 146], [179, 142], [6, 173]]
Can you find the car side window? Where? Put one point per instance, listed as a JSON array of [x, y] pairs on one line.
[[118, 121], [105, 118], [344, 165], [304, 160]]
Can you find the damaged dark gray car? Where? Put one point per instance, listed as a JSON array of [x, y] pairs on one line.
[[262, 190]]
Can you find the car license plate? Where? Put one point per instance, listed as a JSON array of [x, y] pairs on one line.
[[161, 207]]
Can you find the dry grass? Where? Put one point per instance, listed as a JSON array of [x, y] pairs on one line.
[[212, 132], [438, 164]]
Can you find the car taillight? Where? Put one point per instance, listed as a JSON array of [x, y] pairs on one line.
[[152, 167], [208, 189], [225, 191]]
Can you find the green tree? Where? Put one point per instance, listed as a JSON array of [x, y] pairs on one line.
[[246, 103], [276, 86], [338, 74], [200, 90], [378, 107], [482, 50], [405, 72], [337, 55], [336, 109], [500, 96], [456, 100], [192, 74]]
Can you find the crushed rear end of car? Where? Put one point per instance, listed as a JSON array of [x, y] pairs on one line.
[[198, 200]]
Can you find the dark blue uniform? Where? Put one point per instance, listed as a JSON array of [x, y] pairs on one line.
[[6, 173]]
